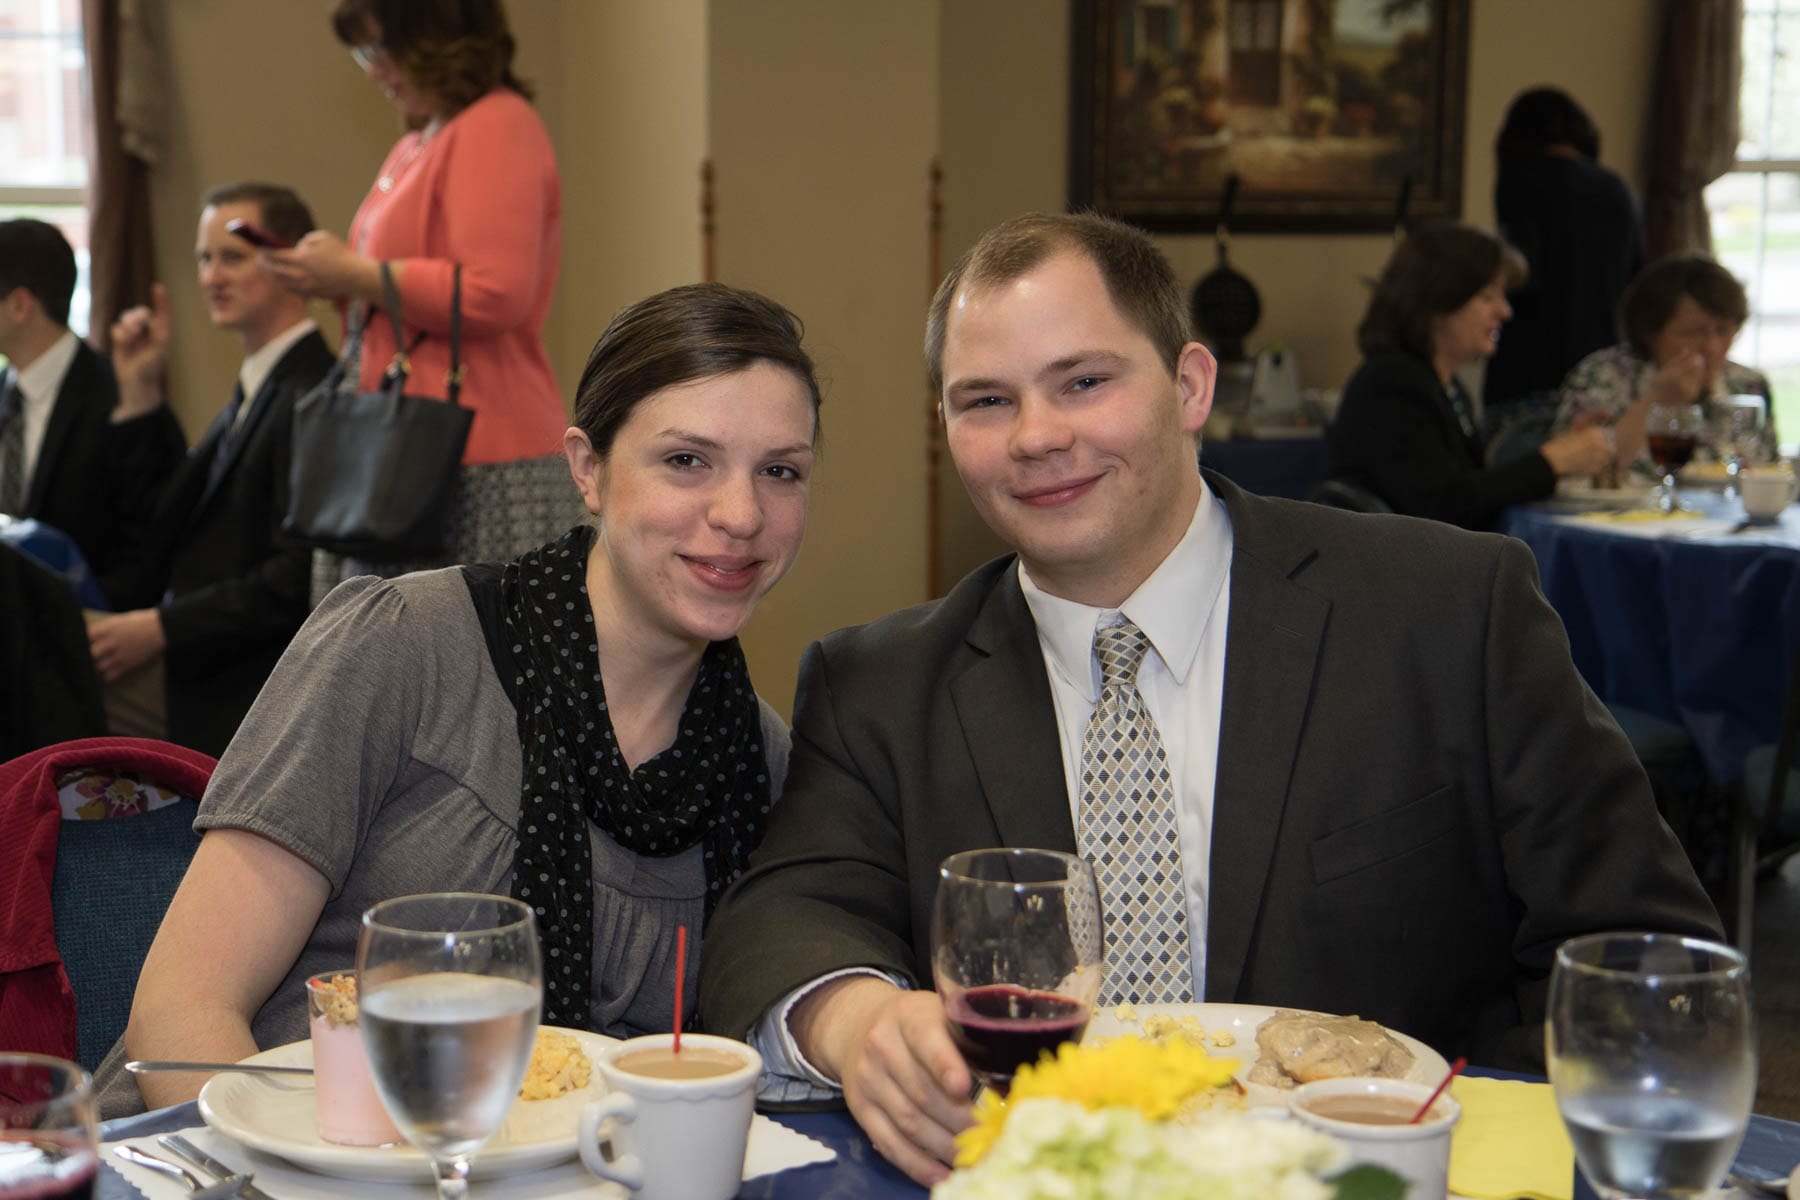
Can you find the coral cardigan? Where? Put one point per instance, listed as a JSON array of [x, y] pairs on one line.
[[483, 192]]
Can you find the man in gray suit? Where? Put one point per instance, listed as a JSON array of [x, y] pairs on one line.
[[1374, 782]]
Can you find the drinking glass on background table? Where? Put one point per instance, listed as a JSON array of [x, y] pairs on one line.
[[47, 1142], [1651, 1052], [449, 987], [1015, 950], [1741, 434], [1673, 432]]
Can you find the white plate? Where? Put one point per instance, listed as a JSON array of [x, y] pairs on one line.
[[274, 1114], [1582, 495], [1241, 1020]]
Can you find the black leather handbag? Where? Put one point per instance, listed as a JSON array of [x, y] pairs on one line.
[[373, 473]]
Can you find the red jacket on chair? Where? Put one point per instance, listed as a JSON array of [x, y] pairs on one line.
[[37, 1006]]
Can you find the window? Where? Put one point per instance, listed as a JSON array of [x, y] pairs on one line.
[[1755, 208], [44, 125]]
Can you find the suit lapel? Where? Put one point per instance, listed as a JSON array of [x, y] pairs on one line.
[[64, 413], [1271, 654], [1009, 720]]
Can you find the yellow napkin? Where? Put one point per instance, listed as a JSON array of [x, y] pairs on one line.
[[1510, 1142], [1633, 515]]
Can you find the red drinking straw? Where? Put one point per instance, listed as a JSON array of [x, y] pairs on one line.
[[1455, 1070], [681, 978]]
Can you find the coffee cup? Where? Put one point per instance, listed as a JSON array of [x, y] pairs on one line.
[[1370, 1117], [347, 1109], [673, 1126], [1766, 491]]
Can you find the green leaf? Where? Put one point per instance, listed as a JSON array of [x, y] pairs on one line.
[[1369, 1183]]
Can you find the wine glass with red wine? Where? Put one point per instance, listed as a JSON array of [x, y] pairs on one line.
[[1673, 431], [48, 1146], [1015, 951]]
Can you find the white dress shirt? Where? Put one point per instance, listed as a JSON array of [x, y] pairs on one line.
[[38, 385], [256, 367], [1184, 609]]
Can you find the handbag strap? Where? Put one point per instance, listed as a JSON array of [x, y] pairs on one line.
[[391, 301]]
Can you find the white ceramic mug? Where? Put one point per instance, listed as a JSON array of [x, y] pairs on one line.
[[1419, 1154], [1766, 491], [672, 1139]]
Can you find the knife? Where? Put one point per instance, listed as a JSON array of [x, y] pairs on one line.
[[178, 1145]]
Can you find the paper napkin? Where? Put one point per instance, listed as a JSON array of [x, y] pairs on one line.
[[1510, 1142]]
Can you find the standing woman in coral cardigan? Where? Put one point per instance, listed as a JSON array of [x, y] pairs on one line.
[[473, 183]]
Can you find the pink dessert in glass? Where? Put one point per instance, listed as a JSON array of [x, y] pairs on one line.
[[348, 1109]]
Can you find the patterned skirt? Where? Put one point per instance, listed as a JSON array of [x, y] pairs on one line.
[[498, 512]]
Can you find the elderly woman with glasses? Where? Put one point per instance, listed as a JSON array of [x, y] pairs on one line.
[[473, 182]]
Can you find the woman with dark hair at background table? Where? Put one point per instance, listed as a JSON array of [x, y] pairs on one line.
[[472, 183], [1679, 319], [576, 727], [1582, 235], [1406, 428]]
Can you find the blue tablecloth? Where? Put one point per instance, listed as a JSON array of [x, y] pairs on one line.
[[1699, 626], [1771, 1147], [1270, 466]]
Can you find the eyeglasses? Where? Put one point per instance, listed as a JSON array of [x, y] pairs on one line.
[[368, 55]]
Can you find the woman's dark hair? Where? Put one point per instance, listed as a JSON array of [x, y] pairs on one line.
[[455, 50], [674, 337], [1435, 271], [1544, 117], [1652, 297]]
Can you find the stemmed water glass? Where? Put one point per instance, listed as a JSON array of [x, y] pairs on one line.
[[1651, 1052], [449, 985], [1016, 955], [47, 1141], [1673, 432], [1741, 434]]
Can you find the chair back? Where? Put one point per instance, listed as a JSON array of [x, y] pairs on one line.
[[1341, 493], [1778, 770]]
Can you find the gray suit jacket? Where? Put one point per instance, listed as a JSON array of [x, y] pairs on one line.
[[1417, 797]]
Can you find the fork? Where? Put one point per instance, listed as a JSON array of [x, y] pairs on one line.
[[223, 1189]]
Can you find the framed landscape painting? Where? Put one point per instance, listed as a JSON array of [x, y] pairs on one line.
[[1334, 114]]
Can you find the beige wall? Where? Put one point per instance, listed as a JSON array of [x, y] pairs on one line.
[[824, 122]]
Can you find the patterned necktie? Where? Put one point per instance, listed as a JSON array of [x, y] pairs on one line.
[[1128, 832], [228, 440], [12, 448]]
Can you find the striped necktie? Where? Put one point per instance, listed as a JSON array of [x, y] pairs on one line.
[[12, 447], [1128, 832], [226, 448]]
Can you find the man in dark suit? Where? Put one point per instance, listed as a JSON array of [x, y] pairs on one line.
[[1366, 773], [70, 457], [219, 591]]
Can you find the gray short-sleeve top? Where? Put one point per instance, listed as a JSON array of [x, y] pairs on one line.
[[384, 752]]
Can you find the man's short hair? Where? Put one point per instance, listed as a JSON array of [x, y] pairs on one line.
[[282, 211], [1139, 280], [1651, 299], [34, 255]]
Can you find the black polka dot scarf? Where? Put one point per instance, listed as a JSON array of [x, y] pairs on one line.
[[710, 786]]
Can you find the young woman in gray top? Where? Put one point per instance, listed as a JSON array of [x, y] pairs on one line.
[[575, 728]]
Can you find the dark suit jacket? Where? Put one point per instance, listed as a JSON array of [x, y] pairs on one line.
[[97, 481], [48, 690], [1417, 798], [1397, 435], [231, 588]]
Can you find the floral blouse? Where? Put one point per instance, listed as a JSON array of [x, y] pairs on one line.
[[1608, 381]]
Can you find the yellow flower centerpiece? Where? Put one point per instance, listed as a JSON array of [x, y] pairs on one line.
[[1130, 1119]]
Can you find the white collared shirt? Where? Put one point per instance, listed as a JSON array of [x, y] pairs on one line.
[[38, 385], [1183, 608], [256, 367]]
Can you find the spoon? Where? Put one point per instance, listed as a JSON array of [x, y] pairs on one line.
[[150, 1066], [222, 1189]]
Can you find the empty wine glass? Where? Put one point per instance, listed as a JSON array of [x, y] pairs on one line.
[[1651, 1052], [47, 1142], [449, 986], [1015, 951], [1741, 436], [1673, 431]]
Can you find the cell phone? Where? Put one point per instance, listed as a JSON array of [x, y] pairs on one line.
[[256, 235]]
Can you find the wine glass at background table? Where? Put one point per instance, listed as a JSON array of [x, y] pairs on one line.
[[1673, 432], [1651, 1049], [449, 988], [48, 1146], [1741, 433], [1015, 953]]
